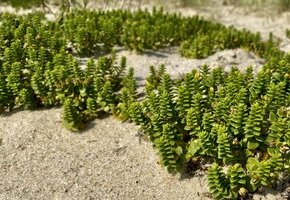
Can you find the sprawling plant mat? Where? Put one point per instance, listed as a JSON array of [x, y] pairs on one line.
[[237, 123]]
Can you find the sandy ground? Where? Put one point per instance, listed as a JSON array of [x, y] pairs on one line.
[[41, 160]]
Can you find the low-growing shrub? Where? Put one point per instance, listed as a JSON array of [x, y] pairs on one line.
[[238, 122], [227, 118]]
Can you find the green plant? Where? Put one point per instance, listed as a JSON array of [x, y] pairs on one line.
[[283, 5], [71, 116], [253, 127], [287, 33], [265, 171], [232, 119], [168, 147], [225, 121], [91, 108], [238, 178], [219, 184], [224, 146]]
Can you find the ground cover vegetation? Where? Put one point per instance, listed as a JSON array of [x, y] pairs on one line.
[[237, 122]]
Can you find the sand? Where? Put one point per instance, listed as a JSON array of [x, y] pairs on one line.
[[42, 160], [39, 159]]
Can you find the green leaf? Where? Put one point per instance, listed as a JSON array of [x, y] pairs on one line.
[[179, 150], [252, 164], [83, 92], [252, 145], [193, 148], [272, 117]]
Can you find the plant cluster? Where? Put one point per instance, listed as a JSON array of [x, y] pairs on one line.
[[95, 32], [204, 44], [36, 70], [231, 119], [237, 121], [92, 32]]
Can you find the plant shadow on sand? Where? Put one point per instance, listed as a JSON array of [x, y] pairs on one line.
[[8, 113], [88, 125]]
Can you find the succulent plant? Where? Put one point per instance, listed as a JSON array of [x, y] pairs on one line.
[[235, 120]]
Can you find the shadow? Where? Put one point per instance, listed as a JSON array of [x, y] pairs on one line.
[[95, 55], [15, 110], [151, 53], [119, 49], [148, 52], [281, 187], [8, 113], [90, 123], [159, 53], [103, 115], [87, 126], [140, 81], [140, 95], [185, 176], [98, 54], [139, 78], [192, 169]]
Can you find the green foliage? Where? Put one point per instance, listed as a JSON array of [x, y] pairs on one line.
[[154, 78], [203, 43], [258, 87], [199, 47], [183, 101], [278, 134], [224, 145], [235, 120], [208, 142], [137, 115], [166, 111], [99, 31], [91, 108], [227, 185], [94, 32], [14, 78], [122, 109], [5, 95], [288, 33], [26, 99], [38, 70], [219, 184], [264, 172], [275, 97], [253, 126], [106, 98], [168, 147], [227, 120], [238, 178], [71, 116], [129, 82], [193, 121]]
